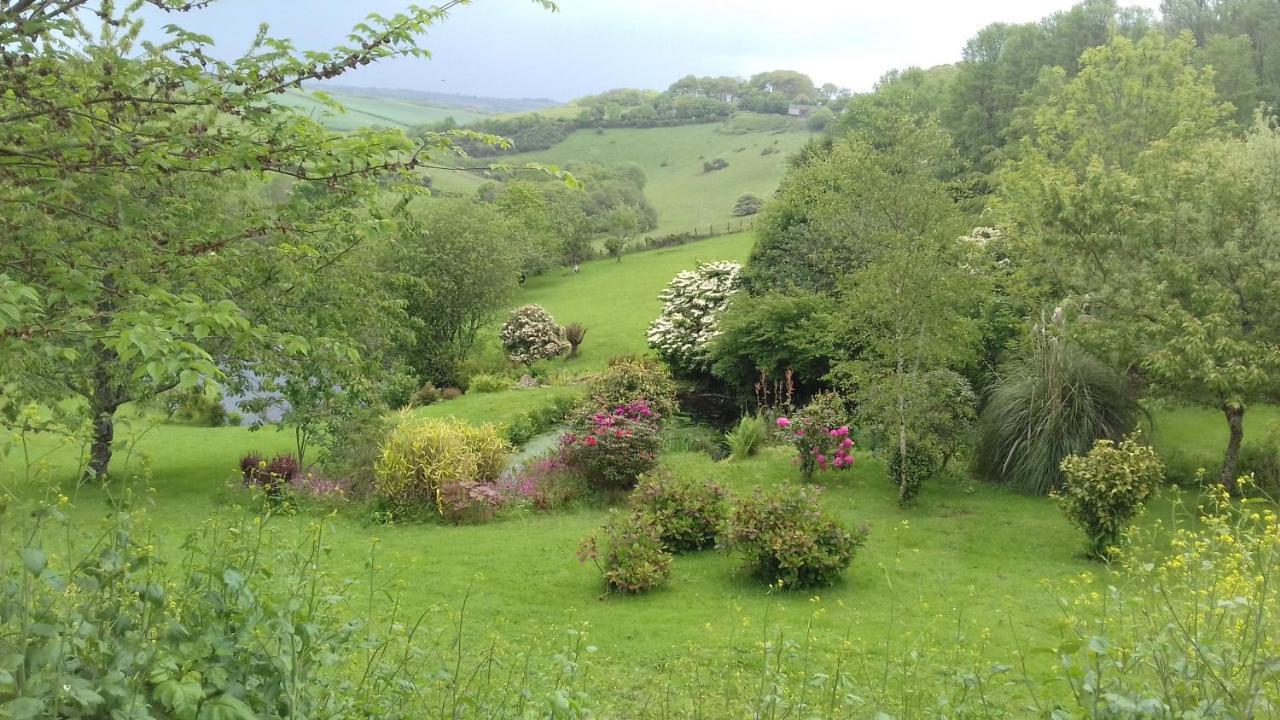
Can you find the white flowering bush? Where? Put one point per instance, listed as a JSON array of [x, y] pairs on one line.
[[692, 301], [531, 334]]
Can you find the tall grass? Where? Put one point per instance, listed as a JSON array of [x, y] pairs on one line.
[[1055, 402]]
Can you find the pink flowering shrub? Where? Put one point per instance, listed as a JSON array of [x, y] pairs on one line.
[[469, 502], [820, 434], [614, 447], [545, 484]]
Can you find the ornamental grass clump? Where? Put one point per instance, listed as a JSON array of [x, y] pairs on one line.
[[629, 553], [1056, 402], [789, 540], [1104, 490], [613, 447], [692, 302], [532, 334], [421, 461]]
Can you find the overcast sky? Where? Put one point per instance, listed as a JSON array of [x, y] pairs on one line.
[[511, 48]]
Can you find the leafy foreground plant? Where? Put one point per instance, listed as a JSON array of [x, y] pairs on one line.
[[746, 439], [234, 631], [689, 513]]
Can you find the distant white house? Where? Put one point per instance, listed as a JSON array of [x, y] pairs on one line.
[[801, 111]]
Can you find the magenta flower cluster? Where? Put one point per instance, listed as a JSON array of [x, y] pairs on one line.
[[818, 448]]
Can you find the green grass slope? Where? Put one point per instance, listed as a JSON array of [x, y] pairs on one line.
[[671, 158], [362, 111], [616, 301]]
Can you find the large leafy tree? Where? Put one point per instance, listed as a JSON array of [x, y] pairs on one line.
[[139, 253], [1157, 226], [454, 267]]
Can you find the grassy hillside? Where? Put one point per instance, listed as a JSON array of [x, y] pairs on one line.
[[363, 111], [672, 157]]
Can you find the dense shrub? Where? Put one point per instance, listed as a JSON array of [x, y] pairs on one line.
[[486, 383], [689, 513], [1056, 402], [421, 458], [633, 377], [789, 540], [746, 439], [427, 394], [820, 434], [1103, 490], [714, 165], [531, 334], [747, 204], [469, 502], [691, 303], [451, 393], [613, 447], [775, 335], [629, 553]]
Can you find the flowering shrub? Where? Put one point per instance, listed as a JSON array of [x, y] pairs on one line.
[[633, 558], [420, 459], [789, 540], [1104, 490], [531, 334], [691, 303], [545, 484], [633, 377], [689, 513], [613, 448], [820, 434], [469, 502]]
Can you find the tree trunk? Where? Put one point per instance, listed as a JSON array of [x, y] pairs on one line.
[[103, 404], [104, 432], [1231, 463]]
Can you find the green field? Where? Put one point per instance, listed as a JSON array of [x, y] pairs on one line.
[[685, 197], [364, 111], [969, 560]]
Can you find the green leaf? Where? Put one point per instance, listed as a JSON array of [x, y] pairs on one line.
[[181, 696], [22, 708], [226, 707], [34, 560]]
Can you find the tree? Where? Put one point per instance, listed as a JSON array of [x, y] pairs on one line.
[[1156, 227], [908, 326], [845, 204], [140, 252], [747, 204], [454, 268]]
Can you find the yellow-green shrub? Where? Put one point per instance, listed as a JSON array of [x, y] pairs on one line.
[[1104, 490], [420, 457]]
